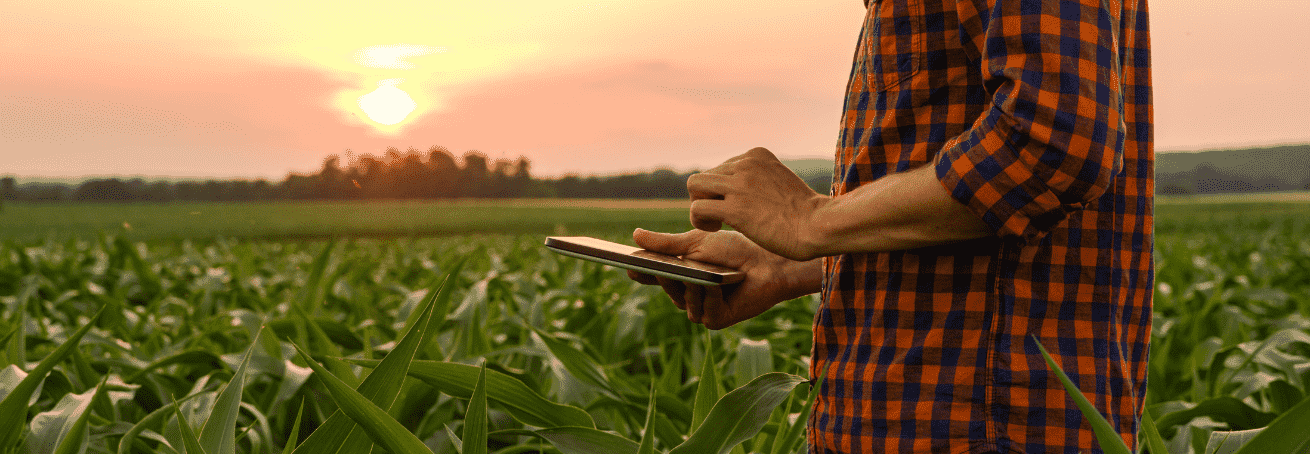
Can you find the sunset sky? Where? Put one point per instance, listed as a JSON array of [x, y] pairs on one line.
[[257, 89]]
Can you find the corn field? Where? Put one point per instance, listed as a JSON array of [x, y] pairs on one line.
[[491, 344]]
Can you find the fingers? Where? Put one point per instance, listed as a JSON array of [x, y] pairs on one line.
[[676, 290], [707, 306], [665, 243], [642, 278], [704, 305], [695, 302], [707, 214], [716, 316], [710, 185], [730, 166]]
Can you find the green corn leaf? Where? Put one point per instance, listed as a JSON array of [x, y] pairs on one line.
[[16, 348], [217, 436], [793, 435], [185, 357], [647, 435], [191, 443], [585, 440], [475, 419], [4, 348], [1149, 437], [577, 362], [13, 409], [1229, 442], [754, 358], [380, 388], [11, 376], [1286, 434], [1237, 414], [1106, 435], [160, 414], [63, 428], [294, 435], [328, 330], [375, 421], [147, 277], [320, 338], [779, 426], [455, 441], [521, 402], [310, 292], [707, 390], [75, 440], [740, 414]]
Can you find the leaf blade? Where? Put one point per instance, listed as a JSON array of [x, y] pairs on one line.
[[1107, 436], [739, 414], [522, 403], [375, 421], [13, 409]]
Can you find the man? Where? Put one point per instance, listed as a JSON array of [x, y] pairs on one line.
[[993, 186]]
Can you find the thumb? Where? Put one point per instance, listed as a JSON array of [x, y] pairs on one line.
[[667, 243]]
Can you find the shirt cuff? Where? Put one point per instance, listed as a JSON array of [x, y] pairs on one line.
[[983, 171]]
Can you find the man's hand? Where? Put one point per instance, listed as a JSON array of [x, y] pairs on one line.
[[770, 279], [760, 197]]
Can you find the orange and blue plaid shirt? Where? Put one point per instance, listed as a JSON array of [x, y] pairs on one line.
[[1036, 115]]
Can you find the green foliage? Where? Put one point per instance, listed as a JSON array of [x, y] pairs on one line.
[[570, 355], [1106, 434], [14, 406], [474, 438], [310, 220]]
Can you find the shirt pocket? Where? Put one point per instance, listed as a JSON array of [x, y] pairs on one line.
[[894, 42]]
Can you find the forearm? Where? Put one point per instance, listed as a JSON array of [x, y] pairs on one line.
[[899, 211], [801, 277]]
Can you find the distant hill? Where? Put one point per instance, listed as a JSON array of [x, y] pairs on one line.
[[1281, 168], [816, 172]]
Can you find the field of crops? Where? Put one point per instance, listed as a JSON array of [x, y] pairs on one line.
[[492, 344], [286, 220]]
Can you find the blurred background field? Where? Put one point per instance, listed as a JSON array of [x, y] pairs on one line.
[[299, 220], [307, 220]]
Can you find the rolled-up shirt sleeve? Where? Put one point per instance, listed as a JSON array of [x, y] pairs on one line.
[[1051, 140]]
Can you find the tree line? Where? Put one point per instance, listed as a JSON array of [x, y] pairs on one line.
[[413, 174]]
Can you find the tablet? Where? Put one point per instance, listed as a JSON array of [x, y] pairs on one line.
[[624, 256]]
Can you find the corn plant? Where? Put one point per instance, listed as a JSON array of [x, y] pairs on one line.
[[470, 343]]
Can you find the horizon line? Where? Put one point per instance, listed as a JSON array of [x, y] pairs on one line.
[[174, 178]]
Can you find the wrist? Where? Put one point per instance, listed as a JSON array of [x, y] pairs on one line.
[[816, 231], [800, 278]]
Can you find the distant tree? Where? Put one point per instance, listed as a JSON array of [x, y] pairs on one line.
[[331, 182], [40, 192], [1174, 189], [241, 191], [297, 187], [216, 191], [8, 188], [412, 177], [110, 190], [502, 175], [474, 176], [518, 186], [159, 192], [444, 172]]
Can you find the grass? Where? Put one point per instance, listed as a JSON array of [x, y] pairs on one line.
[[317, 220]]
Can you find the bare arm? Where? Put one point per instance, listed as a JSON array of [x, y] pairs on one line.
[[899, 211], [761, 198]]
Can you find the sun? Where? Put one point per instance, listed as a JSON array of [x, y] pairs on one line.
[[388, 104]]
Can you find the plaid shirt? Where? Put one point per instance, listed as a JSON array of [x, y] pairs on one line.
[[1036, 115]]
